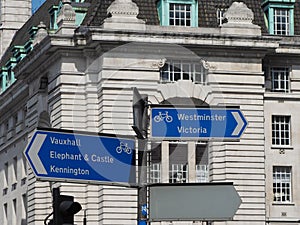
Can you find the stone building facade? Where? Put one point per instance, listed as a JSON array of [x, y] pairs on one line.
[[73, 65]]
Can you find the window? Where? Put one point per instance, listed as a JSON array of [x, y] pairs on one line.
[[178, 13], [279, 16], [15, 168], [155, 173], [10, 77], [24, 167], [282, 184], [1, 84], [281, 130], [280, 77], [178, 173], [5, 213], [202, 173], [155, 163], [281, 21], [178, 163], [24, 208], [220, 16], [53, 16], [180, 70], [3, 79], [6, 173], [175, 166], [14, 212], [18, 53]]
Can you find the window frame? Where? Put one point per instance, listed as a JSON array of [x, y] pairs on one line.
[[155, 172], [2, 83], [284, 135], [176, 169], [3, 80], [202, 173], [175, 70], [202, 164], [164, 11], [282, 181], [269, 7], [284, 23], [277, 83], [220, 12], [180, 14]]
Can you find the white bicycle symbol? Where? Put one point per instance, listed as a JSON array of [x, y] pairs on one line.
[[123, 147], [163, 116]]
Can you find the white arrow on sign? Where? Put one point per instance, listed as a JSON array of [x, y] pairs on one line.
[[240, 123], [33, 153]]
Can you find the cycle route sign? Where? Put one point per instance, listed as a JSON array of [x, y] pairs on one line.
[[81, 158], [197, 123]]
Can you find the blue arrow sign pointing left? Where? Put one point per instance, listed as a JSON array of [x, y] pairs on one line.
[[82, 158]]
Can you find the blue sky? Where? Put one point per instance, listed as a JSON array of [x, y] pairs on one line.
[[36, 4]]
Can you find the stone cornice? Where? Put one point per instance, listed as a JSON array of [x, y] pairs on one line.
[[198, 39]]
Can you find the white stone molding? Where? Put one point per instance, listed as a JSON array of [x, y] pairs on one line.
[[206, 65], [41, 33], [238, 12], [66, 18], [123, 16], [123, 7], [184, 89], [159, 64], [240, 21]]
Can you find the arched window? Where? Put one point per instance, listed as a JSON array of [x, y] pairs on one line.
[[183, 70]]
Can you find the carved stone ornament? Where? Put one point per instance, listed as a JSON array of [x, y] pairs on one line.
[[159, 64], [41, 33], [67, 14], [206, 65], [123, 16], [123, 7], [238, 12]]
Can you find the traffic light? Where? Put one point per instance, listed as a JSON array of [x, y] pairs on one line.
[[64, 208], [140, 114]]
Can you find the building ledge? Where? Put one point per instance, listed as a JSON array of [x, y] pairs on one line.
[[281, 97]]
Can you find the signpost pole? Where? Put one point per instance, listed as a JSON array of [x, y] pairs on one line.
[[142, 176], [140, 126]]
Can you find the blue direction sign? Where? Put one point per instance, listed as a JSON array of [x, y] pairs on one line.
[[76, 157], [197, 123]]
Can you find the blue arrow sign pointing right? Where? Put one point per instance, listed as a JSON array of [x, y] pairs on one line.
[[197, 123]]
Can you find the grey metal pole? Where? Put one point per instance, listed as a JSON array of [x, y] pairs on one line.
[[84, 217], [142, 177]]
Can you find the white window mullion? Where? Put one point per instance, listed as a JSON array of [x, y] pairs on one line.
[[281, 21], [178, 173], [281, 132], [282, 184], [280, 79], [175, 70]]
